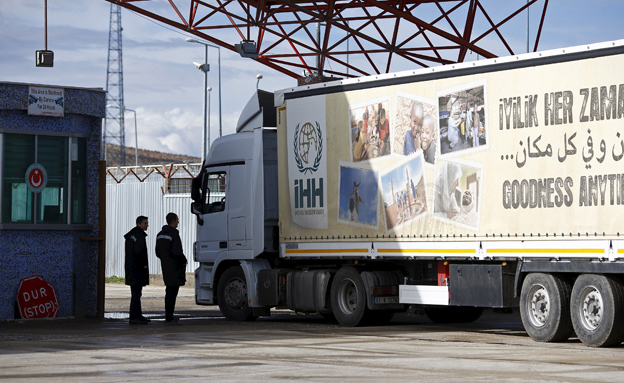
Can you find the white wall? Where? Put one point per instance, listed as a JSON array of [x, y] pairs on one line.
[[130, 198]]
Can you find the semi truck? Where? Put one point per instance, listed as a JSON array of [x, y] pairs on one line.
[[488, 184]]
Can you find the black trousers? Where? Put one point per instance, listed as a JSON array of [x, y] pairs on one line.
[[171, 293], [135, 302]]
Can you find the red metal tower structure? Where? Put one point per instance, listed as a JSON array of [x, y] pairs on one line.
[[350, 38]]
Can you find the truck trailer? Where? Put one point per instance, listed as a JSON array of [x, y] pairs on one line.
[[488, 184]]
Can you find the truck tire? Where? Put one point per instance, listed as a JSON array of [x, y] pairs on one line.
[[545, 307], [348, 297], [597, 312], [446, 314], [232, 295]]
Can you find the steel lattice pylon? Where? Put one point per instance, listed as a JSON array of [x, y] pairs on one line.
[[114, 130], [356, 38]]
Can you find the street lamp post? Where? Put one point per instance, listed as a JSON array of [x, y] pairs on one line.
[[191, 40], [207, 131], [258, 77], [136, 139], [205, 67]]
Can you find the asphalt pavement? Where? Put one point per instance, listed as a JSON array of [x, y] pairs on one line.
[[117, 301], [287, 347]]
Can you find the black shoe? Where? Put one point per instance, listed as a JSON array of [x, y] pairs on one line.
[[139, 321], [145, 319], [175, 321]]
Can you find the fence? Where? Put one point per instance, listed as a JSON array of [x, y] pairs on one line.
[[152, 191]]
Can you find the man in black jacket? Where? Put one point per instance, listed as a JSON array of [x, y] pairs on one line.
[[137, 272], [173, 262]]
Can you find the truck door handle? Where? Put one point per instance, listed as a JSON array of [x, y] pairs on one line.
[[222, 245]]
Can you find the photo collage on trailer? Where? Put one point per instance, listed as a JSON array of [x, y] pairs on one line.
[[419, 134]]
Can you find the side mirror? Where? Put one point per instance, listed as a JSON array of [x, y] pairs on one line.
[[200, 220], [196, 185], [198, 195], [196, 208]]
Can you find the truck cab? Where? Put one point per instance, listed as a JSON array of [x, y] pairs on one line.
[[235, 201]]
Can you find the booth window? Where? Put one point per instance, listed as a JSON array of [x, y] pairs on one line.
[[79, 180], [64, 159]]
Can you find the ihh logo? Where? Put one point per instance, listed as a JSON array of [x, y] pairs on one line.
[[308, 147], [307, 190], [308, 150]]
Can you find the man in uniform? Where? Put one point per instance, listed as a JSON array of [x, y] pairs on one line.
[[173, 262], [137, 272]]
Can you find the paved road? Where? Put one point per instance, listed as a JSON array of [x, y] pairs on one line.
[[286, 348]]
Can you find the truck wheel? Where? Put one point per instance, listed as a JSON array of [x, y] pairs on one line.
[[545, 307], [445, 314], [348, 297], [232, 295], [597, 312]]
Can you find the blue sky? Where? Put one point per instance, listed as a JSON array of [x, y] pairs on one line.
[[164, 87], [398, 178], [368, 190]]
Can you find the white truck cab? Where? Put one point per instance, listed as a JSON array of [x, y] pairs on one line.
[[235, 200]]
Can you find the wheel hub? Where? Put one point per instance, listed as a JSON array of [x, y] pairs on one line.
[[592, 308], [539, 306], [235, 294], [348, 296]]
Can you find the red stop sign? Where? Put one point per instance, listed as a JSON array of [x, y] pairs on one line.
[[36, 298]]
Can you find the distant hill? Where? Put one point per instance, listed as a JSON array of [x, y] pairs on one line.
[[146, 157]]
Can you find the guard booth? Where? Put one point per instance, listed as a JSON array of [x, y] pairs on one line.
[[50, 140]]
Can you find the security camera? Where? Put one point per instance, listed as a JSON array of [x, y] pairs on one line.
[[202, 67]]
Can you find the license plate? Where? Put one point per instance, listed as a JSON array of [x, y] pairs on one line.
[[382, 300]]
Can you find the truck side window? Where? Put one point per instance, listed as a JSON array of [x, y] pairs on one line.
[[215, 193]]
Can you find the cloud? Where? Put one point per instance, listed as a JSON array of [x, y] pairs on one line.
[[160, 81], [176, 130]]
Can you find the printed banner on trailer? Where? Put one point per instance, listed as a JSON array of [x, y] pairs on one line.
[[517, 153], [307, 161]]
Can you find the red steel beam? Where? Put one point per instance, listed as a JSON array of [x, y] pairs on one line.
[[336, 15], [472, 11], [539, 30], [433, 29]]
